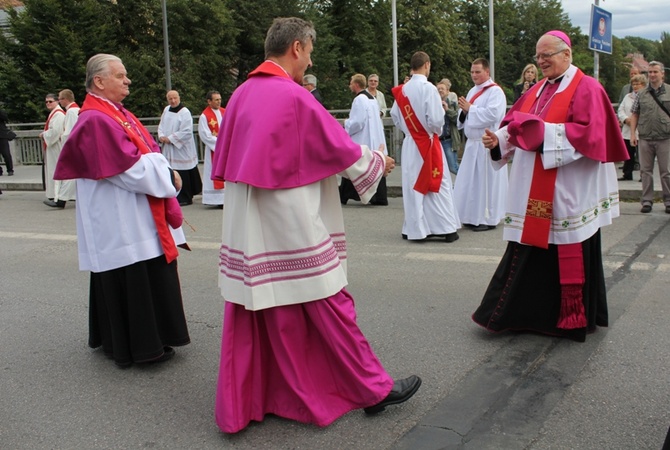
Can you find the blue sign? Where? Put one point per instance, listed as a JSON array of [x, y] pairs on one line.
[[600, 39]]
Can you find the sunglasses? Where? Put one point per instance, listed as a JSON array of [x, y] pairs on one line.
[[50, 101]]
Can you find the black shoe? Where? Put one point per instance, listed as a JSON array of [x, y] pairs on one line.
[[647, 209], [625, 179], [168, 353], [402, 391], [58, 204], [483, 227], [667, 209], [404, 236], [186, 203], [451, 237], [9, 174]]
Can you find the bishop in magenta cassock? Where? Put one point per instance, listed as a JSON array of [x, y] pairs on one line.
[[564, 137], [290, 345]]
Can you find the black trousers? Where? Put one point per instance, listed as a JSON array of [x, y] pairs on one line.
[[6, 155], [629, 165]]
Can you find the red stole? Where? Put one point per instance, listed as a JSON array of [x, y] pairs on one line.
[[476, 96], [140, 138], [539, 214], [213, 124], [430, 175], [46, 125]]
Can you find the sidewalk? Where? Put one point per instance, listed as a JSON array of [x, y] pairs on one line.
[[29, 178]]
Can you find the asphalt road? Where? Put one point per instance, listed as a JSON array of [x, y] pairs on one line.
[[414, 301]]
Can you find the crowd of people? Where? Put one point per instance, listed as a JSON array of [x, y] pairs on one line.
[[290, 344]]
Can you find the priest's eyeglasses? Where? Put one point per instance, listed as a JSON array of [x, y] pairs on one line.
[[540, 56]]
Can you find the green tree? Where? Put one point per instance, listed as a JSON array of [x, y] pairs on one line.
[[50, 41]]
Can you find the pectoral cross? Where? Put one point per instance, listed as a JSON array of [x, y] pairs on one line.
[[436, 172], [408, 117], [212, 123]]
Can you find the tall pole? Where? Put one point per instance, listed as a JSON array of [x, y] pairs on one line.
[[166, 48], [596, 55], [395, 43], [492, 57]]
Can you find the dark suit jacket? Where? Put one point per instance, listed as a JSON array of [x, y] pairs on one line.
[[317, 95]]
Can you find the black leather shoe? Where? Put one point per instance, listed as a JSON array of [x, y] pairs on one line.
[[646, 209], [451, 237], [483, 227], [168, 353], [402, 391], [625, 179], [58, 204]]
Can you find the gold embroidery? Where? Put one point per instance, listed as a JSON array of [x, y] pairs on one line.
[[408, 117], [539, 209]]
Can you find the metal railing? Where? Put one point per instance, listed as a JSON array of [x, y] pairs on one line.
[[27, 147]]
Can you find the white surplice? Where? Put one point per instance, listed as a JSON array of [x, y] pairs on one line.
[[210, 196], [113, 213], [434, 212], [480, 191], [300, 258], [178, 128], [364, 124], [586, 196]]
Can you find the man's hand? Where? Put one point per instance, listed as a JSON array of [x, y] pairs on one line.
[[490, 140], [464, 104], [390, 165], [177, 180], [163, 140], [633, 141]]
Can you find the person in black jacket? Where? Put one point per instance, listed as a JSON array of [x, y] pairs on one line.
[[6, 135], [527, 80]]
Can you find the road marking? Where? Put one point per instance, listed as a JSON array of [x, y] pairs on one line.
[[441, 257]]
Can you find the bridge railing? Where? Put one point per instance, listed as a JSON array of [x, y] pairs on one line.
[[27, 147]]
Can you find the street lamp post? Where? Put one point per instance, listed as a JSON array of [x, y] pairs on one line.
[[166, 48], [492, 58]]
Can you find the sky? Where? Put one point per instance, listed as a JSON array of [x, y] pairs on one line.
[[643, 18]]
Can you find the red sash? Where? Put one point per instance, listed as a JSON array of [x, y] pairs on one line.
[[539, 214], [213, 124], [476, 96], [140, 138], [430, 175], [46, 125]]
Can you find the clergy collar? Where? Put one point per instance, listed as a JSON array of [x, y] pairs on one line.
[[365, 93], [176, 109], [559, 78]]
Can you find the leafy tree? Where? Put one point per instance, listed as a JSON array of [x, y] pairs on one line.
[[50, 41], [663, 53]]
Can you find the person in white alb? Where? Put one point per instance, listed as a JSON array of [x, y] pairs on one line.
[[208, 130], [480, 191], [66, 189], [175, 135], [364, 125], [52, 142], [427, 195]]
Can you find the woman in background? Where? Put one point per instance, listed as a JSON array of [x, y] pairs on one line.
[[527, 80]]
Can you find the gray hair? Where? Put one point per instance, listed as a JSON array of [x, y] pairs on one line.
[[309, 79], [98, 65], [284, 31], [446, 82], [657, 64]]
